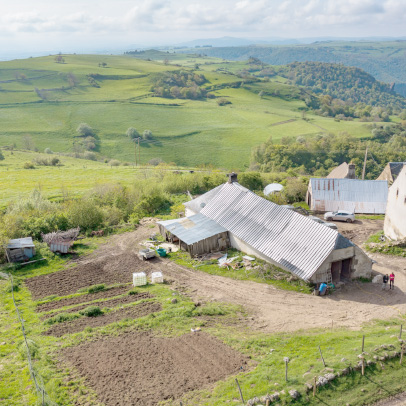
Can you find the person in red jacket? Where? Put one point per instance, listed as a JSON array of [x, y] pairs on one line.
[[392, 281]]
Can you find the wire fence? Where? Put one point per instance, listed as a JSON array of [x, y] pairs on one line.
[[43, 397]]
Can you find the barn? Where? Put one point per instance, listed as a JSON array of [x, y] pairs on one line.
[[353, 195], [231, 215]]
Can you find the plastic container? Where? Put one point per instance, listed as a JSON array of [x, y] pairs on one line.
[[157, 277], [139, 279], [161, 252]]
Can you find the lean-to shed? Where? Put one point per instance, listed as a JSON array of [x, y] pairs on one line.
[[277, 235], [20, 249], [353, 195]]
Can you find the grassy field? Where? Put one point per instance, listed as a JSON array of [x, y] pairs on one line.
[[186, 132], [264, 374]]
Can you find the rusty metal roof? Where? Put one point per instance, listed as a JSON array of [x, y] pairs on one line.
[[290, 239], [354, 195], [193, 229]]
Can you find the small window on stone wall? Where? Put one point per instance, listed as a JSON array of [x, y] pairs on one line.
[[397, 192]]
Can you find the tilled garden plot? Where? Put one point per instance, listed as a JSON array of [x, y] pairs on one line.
[[132, 312], [70, 301], [138, 368], [107, 270], [107, 303]]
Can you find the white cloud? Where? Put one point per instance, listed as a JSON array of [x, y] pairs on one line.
[[186, 18]]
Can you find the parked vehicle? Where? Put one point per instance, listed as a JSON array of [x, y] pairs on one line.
[[340, 215], [318, 220]]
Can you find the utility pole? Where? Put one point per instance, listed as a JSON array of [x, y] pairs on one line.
[[139, 152], [365, 163]]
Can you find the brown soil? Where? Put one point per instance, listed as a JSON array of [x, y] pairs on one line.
[[107, 303], [142, 369], [396, 400], [270, 309], [56, 304], [133, 312]]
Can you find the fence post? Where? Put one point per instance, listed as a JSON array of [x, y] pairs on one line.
[[402, 349], [400, 332], [314, 387], [363, 340], [324, 363], [239, 389]]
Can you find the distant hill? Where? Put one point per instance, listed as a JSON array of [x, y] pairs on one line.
[[385, 61], [343, 82]]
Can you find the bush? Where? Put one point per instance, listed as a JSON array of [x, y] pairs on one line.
[[48, 151], [132, 133], [251, 180], [61, 318], [114, 162], [84, 130], [96, 288], [1, 156], [91, 311], [222, 101], [85, 213], [155, 161], [29, 165], [133, 292], [147, 134]]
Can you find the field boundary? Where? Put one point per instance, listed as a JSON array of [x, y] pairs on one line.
[[43, 397]]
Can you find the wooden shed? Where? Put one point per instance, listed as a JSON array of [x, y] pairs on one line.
[[20, 249], [196, 234]]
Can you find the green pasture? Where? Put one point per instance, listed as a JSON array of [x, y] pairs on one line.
[[186, 132]]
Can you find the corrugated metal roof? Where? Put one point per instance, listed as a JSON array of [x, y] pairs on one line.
[[339, 172], [21, 243], [193, 229], [288, 238], [272, 187], [354, 195], [200, 202]]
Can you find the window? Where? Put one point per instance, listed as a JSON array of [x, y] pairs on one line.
[[397, 193]]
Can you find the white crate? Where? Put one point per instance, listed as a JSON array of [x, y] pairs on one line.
[[157, 277], [139, 279]]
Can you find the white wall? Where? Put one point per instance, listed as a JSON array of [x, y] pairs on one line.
[[395, 218]]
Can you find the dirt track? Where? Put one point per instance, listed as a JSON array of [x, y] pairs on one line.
[[271, 309]]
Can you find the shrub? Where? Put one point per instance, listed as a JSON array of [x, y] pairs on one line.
[[91, 311], [1, 156], [132, 292], [29, 165], [222, 101], [61, 318], [155, 161], [85, 213], [48, 151], [96, 288], [84, 130], [147, 134], [114, 162], [132, 133]]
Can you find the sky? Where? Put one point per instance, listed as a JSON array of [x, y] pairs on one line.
[[28, 26]]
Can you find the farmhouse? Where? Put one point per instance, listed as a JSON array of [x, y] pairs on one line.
[[391, 171], [353, 195], [20, 249], [343, 171], [231, 215], [395, 218]]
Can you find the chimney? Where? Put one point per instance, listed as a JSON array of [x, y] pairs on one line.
[[351, 171], [232, 177]]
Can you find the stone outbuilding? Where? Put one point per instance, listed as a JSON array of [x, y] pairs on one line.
[[391, 172], [343, 171], [231, 215], [395, 218], [20, 249]]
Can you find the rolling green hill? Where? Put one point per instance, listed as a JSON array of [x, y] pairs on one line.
[[384, 60], [47, 101]]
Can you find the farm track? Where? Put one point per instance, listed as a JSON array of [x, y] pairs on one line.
[[107, 303], [74, 326], [166, 367]]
